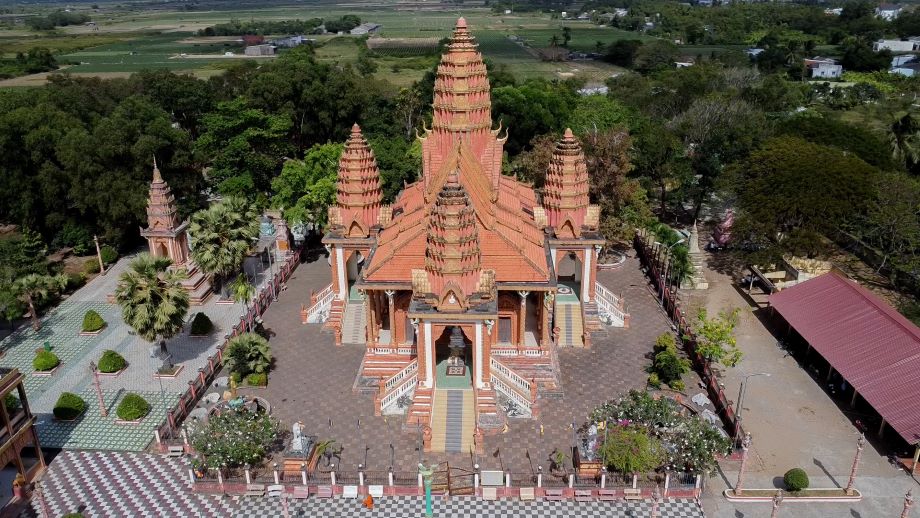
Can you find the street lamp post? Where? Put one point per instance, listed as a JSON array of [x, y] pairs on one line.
[[777, 500], [102, 409], [745, 446], [908, 502], [860, 443], [742, 390]]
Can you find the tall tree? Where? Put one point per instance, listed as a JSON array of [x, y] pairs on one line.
[[221, 235], [306, 188], [35, 288], [152, 299], [715, 337]]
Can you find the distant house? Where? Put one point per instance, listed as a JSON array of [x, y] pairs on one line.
[[291, 41], [824, 68], [907, 70], [908, 45], [260, 50], [753, 52], [836, 11], [684, 62], [253, 39], [888, 11], [619, 12], [366, 28], [593, 90]]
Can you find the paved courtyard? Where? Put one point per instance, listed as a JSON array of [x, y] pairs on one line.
[[312, 381], [61, 328], [794, 423]]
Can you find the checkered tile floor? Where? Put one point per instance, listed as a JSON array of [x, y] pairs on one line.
[[406, 507], [124, 485]]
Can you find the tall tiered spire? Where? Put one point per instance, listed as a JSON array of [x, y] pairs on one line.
[[162, 211], [565, 195], [462, 107], [452, 257], [358, 190]]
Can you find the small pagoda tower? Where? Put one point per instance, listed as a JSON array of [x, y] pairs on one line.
[[565, 195], [167, 237], [696, 280], [358, 192]]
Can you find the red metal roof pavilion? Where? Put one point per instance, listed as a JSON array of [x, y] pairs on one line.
[[874, 348]]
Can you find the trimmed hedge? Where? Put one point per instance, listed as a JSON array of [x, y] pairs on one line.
[[257, 379], [45, 361], [132, 407], [201, 325], [111, 362], [796, 479], [69, 406], [109, 254], [11, 402], [92, 322]]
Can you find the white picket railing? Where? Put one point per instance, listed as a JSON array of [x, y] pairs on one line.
[[609, 305], [408, 384], [319, 311], [511, 376], [395, 379], [508, 391]]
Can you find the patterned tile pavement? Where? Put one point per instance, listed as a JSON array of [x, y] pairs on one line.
[[61, 329], [457, 507], [312, 381]]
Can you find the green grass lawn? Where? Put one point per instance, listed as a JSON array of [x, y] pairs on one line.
[[146, 51]]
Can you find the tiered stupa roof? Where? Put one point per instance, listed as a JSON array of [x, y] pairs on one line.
[[358, 192], [565, 195], [452, 256], [162, 211]]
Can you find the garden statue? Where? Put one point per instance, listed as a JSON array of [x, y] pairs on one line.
[[299, 231], [297, 441], [426, 437], [591, 443]]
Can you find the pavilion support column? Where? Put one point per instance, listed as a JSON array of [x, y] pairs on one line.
[[544, 317], [830, 373], [913, 468], [391, 307], [369, 321], [881, 429], [853, 399], [523, 319]]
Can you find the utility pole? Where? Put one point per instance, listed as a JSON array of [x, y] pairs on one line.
[[860, 443], [99, 255], [908, 502], [745, 445]]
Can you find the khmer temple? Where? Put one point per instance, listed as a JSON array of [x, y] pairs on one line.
[[463, 287], [167, 237]]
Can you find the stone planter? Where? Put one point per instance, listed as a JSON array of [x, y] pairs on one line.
[[113, 374], [130, 423], [93, 333], [69, 420], [45, 374], [169, 375]]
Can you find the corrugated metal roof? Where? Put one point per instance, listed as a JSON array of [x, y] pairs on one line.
[[875, 348]]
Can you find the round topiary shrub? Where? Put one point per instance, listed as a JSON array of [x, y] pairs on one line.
[[796, 479], [109, 254], [132, 407], [45, 361], [111, 362], [69, 406], [92, 322], [201, 325]]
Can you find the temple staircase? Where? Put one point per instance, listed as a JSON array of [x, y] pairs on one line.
[[354, 324], [540, 370], [453, 421], [568, 319], [420, 411]]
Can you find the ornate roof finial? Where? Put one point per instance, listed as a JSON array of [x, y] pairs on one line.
[[461, 23], [156, 171]]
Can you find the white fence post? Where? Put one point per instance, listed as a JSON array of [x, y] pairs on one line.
[[603, 480], [390, 477], [419, 480], [275, 473], [332, 476], [539, 476], [248, 475], [303, 472], [635, 481], [360, 474], [667, 482], [571, 481], [508, 479], [476, 476]]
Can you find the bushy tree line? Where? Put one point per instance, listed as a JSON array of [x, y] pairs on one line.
[[282, 27]]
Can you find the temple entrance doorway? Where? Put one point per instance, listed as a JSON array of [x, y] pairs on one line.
[[353, 271], [568, 275], [453, 354]]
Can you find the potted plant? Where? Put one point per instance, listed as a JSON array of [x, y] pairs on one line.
[[92, 324], [111, 363], [69, 407], [45, 363], [132, 408]]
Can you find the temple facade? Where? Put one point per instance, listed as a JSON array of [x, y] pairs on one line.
[[461, 290]]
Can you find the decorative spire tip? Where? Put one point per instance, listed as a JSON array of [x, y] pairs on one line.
[[461, 23], [568, 133]]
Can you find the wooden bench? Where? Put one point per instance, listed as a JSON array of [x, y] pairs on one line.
[[632, 494], [255, 490], [553, 494], [300, 492], [176, 451], [350, 492], [583, 495], [489, 493], [527, 494], [606, 495], [324, 492], [275, 490]]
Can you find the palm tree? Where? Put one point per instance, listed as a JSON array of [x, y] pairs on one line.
[[34, 288], [152, 299], [554, 41], [243, 292], [221, 235], [904, 139], [248, 353]]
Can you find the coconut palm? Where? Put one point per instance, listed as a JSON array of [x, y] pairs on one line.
[[904, 139], [34, 288], [152, 299], [248, 353], [243, 291], [221, 235]]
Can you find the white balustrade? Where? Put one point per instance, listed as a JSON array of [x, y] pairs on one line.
[[512, 394], [407, 386], [609, 304], [510, 375], [395, 379], [319, 311]]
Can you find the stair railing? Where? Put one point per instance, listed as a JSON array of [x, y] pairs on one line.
[[319, 310], [609, 304]]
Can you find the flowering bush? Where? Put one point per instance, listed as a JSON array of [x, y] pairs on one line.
[[234, 438], [691, 443]]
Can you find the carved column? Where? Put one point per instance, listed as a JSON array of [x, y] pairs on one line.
[[487, 354], [369, 320], [523, 324], [391, 306], [545, 309]]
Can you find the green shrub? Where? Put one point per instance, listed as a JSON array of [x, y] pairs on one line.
[[109, 254], [235, 376], [132, 407], [69, 406], [91, 266], [654, 380], [92, 322], [665, 341], [677, 385], [111, 362], [11, 402], [201, 325], [796, 479], [45, 361], [257, 379], [75, 280], [670, 366]]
